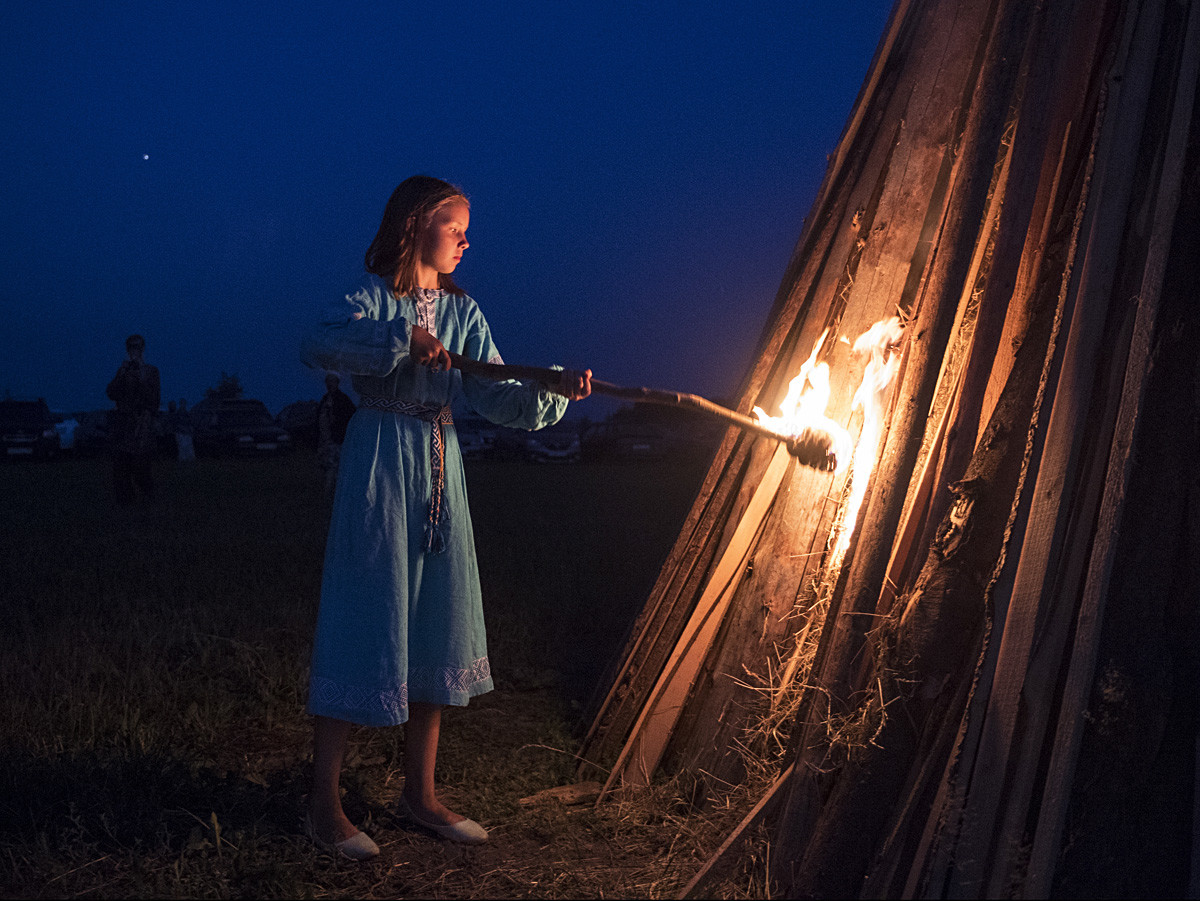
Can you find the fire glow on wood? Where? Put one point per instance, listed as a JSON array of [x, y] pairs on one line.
[[881, 341], [802, 411]]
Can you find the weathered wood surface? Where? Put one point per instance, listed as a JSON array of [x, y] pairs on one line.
[[978, 682], [913, 851], [1050, 559], [917, 857], [647, 647], [761, 808], [569, 795], [895, 210], [1048, 263], [1047, 837], [1018, 195], [844, 636], [1131, 815], [714, 513], [1026, 785], [934, 861], [801, 311], [931, 656]]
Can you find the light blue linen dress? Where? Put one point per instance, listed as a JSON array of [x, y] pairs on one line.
[[397, 623]]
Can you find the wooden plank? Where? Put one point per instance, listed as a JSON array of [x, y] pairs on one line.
[[907, 554], [891, 864], [1047, 840], [567, 795], [707, 508], [934, 865], [948, 800], [1034, 588], [822, 229], [935, 645], [926, 343], [661, 634], [760, 810], [898, 19], [675, 593], [744, 649], [926, 501], [846, 166], [892, 217], [844, 635], [749, 627], [640, 756], [1051, 255]]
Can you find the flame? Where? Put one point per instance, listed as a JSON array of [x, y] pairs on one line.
[[804, 407], [880, 341], [803, 410]]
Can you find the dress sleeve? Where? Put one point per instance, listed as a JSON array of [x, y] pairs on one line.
[[521, 405], [351, 337]]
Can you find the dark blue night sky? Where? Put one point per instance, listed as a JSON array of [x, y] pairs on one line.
[[208, 174]]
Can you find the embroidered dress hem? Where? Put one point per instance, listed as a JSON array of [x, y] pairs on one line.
[[371, 706]]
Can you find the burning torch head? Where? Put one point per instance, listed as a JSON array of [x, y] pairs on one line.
[[815, 448]]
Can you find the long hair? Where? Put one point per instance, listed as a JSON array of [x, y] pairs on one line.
[[393, 253]]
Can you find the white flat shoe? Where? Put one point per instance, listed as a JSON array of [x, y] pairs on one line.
[[359, 846], [465, 832]]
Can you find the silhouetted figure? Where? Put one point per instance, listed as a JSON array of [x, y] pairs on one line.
[[135, 391], [333, 415]]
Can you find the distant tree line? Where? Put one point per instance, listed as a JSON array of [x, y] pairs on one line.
[[228, 388]]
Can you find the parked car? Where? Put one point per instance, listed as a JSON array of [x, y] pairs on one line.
[[554, 444], [27, 429], [236, 428], [476, 437]]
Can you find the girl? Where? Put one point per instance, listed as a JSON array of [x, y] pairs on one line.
[[400, 630]]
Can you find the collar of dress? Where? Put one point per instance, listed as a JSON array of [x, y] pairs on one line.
[[425, 300]]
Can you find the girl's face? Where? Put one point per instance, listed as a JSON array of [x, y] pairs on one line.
[[443, 242]]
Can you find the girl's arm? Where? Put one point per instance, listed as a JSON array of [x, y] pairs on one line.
[[350, 337], [522, 405]]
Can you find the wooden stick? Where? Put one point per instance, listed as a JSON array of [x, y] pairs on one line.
[[761, 809], [812, 448]]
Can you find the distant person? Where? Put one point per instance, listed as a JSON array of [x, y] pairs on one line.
[[333, 415], [400, 628], [181, 425], [135, 391]]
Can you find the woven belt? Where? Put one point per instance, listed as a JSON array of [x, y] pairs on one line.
[[437, 519]]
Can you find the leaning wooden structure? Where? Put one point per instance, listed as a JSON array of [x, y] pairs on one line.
[[990, 688]]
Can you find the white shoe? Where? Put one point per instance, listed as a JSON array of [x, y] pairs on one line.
[[359, 846], [465, 832]]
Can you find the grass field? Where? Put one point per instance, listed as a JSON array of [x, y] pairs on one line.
[[154, 666]]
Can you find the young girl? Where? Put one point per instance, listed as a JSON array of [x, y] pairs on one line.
[[400, 630]]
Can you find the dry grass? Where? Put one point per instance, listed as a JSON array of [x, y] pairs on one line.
[[154, 666]]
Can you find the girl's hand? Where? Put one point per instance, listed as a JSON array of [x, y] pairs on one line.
[[575, 385], [427, 350]]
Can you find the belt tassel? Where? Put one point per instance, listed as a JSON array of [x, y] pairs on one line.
[[437, 517]]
